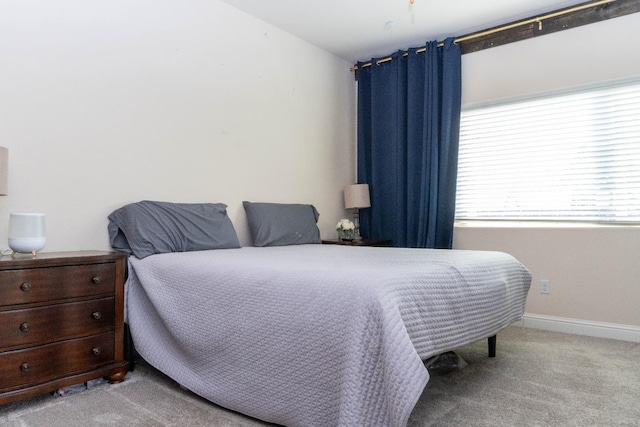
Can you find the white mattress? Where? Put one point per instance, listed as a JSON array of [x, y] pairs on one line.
[[316, 335]]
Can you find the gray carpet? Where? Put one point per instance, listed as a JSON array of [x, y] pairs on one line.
[[538, 379]]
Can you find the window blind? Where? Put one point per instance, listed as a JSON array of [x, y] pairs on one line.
[[571, 156]]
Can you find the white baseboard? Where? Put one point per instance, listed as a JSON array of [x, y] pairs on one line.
[[566, 325]]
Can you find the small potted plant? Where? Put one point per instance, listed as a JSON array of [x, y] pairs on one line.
[[346, 230]]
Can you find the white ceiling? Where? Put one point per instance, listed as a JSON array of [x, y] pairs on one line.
[[355, 29]]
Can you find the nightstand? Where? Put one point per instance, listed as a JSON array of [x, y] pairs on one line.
[[61, 321], [363, 242]]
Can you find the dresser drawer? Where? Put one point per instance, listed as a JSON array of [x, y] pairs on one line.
[[41, 364], [54, 323], [55, 283]]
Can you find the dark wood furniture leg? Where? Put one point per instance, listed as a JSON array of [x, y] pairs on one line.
[[492, 346], [129, 348]]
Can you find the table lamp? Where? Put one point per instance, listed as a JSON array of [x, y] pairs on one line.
[[356, 197], [4, 171]]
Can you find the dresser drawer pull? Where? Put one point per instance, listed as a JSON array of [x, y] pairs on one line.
[[24, 367], [26, 287], [95, 351], [25, 327], [96, 280], [96, 315]]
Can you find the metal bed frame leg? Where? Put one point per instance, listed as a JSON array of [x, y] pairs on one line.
[[492, 345]]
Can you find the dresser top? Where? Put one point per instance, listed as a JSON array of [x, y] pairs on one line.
[[51, 259]]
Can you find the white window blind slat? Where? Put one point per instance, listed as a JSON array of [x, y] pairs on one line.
[[567, 156]]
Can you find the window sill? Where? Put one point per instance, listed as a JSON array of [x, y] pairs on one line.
[[538, 224]]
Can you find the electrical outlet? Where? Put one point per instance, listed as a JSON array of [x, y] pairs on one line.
[[545, 286]]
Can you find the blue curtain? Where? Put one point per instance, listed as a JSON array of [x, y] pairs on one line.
[[408, 133]]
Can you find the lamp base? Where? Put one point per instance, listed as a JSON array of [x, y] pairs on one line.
[[356, 220]]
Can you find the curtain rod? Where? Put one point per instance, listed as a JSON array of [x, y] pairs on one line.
[[472, 36]]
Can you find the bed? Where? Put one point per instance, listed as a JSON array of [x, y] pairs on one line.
[[310, 334]]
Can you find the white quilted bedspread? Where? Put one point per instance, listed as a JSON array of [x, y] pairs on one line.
[[316, 335]]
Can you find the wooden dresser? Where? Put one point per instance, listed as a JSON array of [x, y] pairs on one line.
[[61, 321]]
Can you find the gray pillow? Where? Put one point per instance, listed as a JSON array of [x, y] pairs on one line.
[[146, 228], [276, 224]]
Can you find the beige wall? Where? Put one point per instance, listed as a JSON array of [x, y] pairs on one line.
[[107, 103], [594, 271]]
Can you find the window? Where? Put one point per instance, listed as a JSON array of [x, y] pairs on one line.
[[571, 156]]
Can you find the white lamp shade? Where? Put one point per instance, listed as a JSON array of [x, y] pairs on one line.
[[27, 232], [4, 171], [356, 196]]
